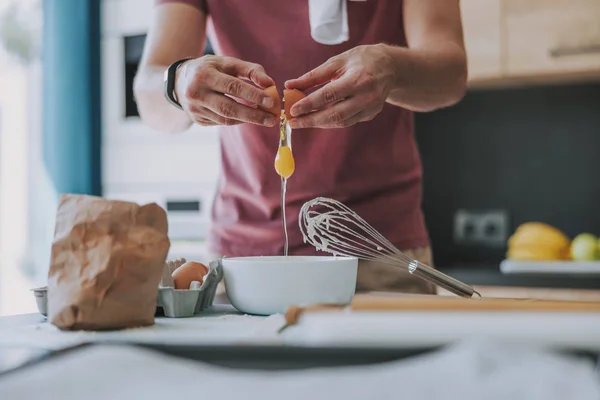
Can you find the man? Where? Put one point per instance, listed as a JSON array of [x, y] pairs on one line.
[[354, 134]]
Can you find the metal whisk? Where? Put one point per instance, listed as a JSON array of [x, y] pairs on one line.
[[338, 230]]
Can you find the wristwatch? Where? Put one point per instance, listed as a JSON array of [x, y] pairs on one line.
[[170, 82]]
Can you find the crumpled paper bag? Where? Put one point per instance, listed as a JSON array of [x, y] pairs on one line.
[[106, 263]]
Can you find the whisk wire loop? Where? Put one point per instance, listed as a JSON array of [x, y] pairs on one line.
[[338, 230]]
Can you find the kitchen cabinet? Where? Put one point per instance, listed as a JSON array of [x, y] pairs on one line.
[[512, 42], [482, 34], [552, 37]]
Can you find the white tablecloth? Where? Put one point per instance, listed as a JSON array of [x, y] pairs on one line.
[[465, 371]]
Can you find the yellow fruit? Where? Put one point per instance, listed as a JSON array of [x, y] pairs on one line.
[[584, 247], [537, 241], [541, 248], [539, 234], [535, 254]]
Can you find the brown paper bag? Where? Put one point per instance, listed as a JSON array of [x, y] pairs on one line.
[[106, 263]]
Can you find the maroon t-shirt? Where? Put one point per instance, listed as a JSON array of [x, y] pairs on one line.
[[372, 167]]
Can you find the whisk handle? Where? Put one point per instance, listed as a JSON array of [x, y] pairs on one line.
[[440, 279]]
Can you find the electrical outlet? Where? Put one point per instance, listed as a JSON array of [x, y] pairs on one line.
[[485, 228]]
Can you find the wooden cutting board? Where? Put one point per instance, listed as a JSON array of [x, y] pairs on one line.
[[370, 302]]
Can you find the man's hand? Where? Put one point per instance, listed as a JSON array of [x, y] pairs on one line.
[[357, 84], [428, 74], [205, 86]]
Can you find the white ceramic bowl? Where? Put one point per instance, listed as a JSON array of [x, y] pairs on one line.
[[269, 285]]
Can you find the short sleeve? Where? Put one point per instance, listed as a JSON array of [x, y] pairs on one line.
[[199, 4]]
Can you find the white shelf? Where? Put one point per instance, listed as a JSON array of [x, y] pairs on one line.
[[550, 267]]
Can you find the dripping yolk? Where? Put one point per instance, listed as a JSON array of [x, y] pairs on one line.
[[284, 162]]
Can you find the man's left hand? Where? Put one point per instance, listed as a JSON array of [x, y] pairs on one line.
[[356, 86]]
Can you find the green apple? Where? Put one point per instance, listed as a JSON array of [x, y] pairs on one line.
[[584, 247]]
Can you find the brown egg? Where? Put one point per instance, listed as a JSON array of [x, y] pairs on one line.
[[276, 109], [291, 97], [187, 273]]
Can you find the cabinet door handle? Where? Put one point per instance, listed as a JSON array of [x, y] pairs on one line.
[[574, 51]]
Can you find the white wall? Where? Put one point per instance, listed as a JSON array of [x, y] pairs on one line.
[[43, 198], [24, 243], [138, 163], [15, 297]]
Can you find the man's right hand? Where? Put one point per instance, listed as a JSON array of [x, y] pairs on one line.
[[203, 87]]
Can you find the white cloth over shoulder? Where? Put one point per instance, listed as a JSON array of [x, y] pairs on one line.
[[329, 20]]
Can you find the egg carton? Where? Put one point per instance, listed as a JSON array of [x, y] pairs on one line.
[[181, 303], [41, 299], [171, 302]]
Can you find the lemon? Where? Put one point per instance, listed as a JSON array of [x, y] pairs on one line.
[[538, 234]]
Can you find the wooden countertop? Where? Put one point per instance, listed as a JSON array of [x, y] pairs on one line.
[[533, 292]]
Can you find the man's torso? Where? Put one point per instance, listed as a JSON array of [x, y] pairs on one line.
[[372, 167]]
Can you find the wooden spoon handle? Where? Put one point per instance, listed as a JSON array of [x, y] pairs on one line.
[[442, 303]]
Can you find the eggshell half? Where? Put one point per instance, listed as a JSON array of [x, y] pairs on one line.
[[291, 97], [276, 109]]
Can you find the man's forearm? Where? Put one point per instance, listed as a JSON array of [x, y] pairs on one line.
[[154, 109], [428, 79]]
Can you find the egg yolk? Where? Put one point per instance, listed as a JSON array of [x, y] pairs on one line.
[[284, 162]]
